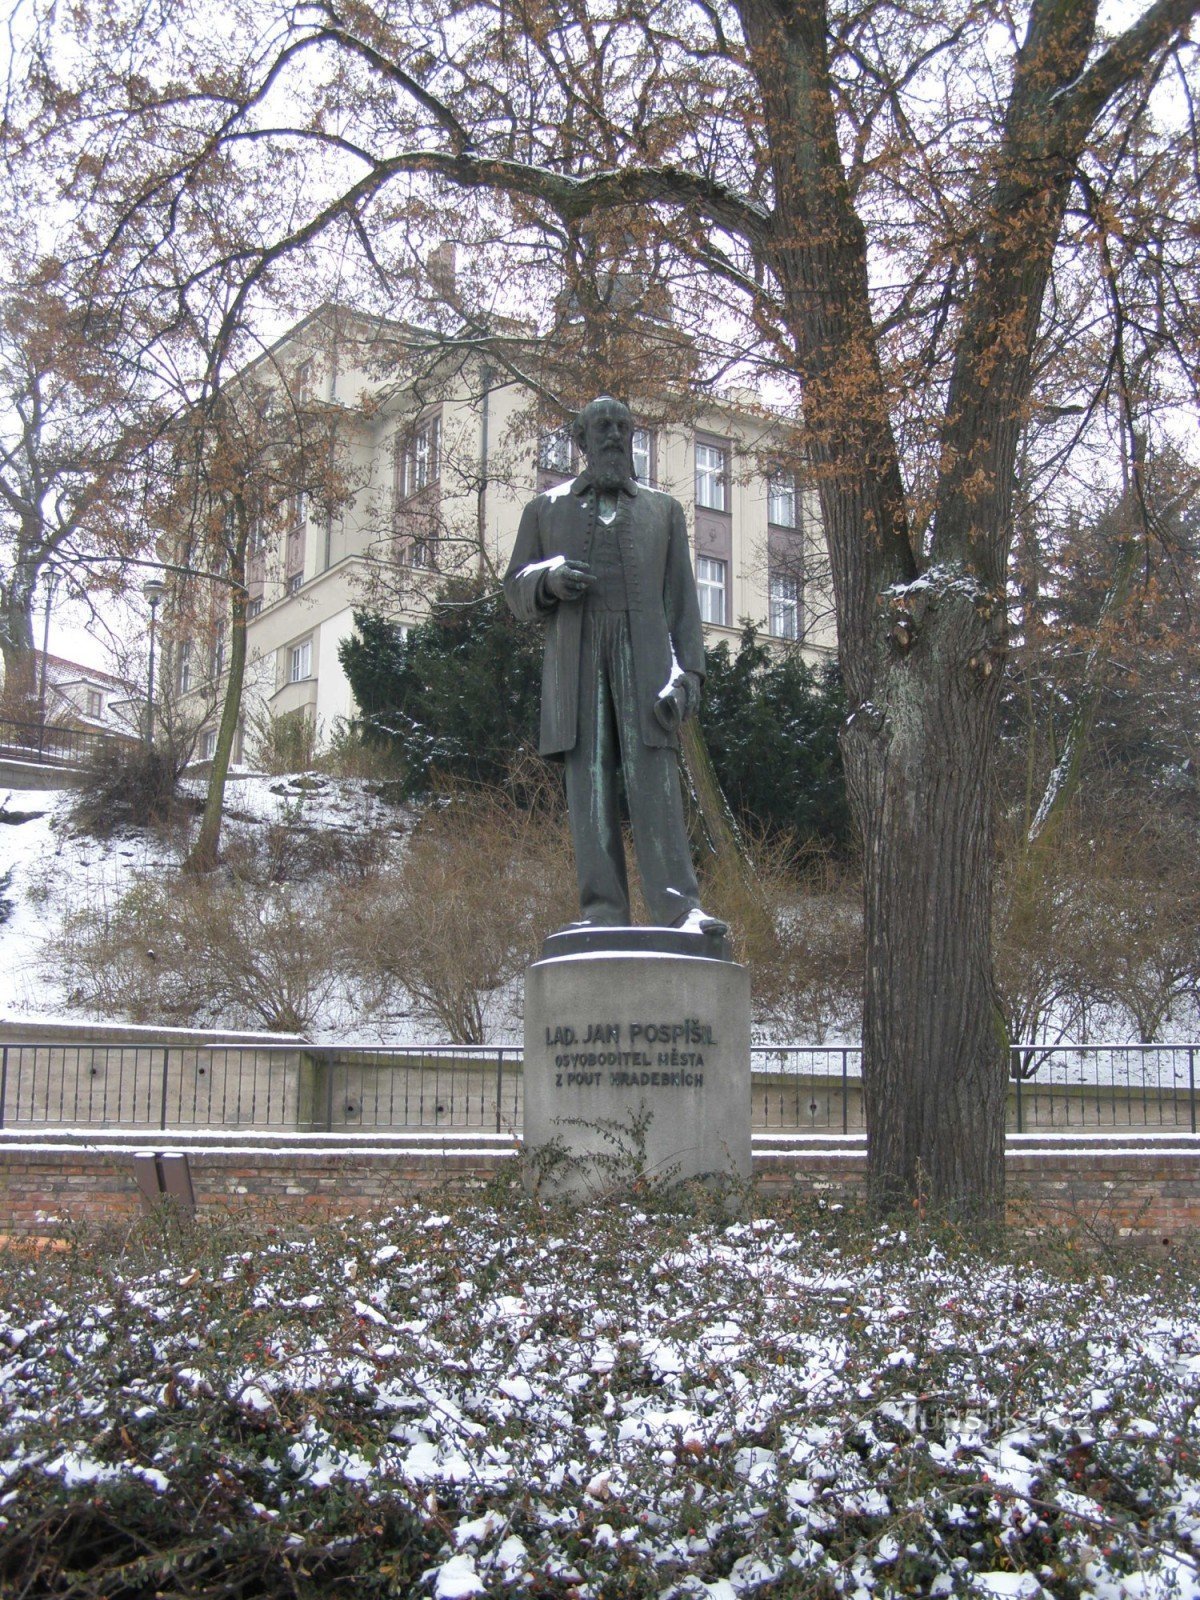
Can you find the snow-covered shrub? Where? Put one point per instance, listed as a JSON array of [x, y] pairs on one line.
[[204, 951], [481, 881], [128, 786], [509, 1399]]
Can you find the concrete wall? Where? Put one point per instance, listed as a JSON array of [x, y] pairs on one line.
[[813, 1102], [176, 1079], [38, 775], [179, 1078]]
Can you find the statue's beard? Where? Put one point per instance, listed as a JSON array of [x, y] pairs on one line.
[[609, 469]]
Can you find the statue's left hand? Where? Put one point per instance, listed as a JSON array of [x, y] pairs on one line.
[[689, 684]]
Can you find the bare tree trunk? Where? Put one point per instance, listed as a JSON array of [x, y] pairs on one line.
[[205, 852], [919, 766], [707, 799]]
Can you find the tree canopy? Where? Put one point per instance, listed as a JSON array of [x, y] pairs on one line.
[[76, 425]]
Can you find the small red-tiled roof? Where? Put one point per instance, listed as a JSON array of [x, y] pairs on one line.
[[60, 670]]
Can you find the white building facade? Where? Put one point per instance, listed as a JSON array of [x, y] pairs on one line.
[[441, 465]]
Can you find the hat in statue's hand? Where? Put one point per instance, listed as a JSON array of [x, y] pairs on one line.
[[669, 707]]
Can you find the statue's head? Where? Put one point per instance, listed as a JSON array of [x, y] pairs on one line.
[[604, 432]]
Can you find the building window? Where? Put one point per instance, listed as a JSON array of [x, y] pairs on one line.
[[712, 477], [785, 605], [183, 667], [642, 445], [556, 452], [95, 703], [420, 460], [300, 662], [300, 508], [208, 744], [710, 586], [422, 552], [254, 606], [217, 658], [295, 582], [304, 380], [781, 500]]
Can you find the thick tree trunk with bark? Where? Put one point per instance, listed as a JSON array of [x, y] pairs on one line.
[[16, 644], [922, 654], [919, 766]]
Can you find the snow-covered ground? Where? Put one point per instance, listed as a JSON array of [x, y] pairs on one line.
[[618, 1404], [55, 870]]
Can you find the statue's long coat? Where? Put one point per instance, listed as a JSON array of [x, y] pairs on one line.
[[664, 614]]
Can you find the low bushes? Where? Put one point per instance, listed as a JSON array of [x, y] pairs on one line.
[[1102, 925], [305, 924], [204, 952], [128, 786], [480, 883], [507, 1398], [796, 920]]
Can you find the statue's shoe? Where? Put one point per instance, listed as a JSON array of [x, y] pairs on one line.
[[697, 920]]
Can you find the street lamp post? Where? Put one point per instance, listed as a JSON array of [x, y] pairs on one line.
[[153, 589]]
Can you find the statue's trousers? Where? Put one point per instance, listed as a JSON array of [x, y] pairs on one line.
[[609, 739]]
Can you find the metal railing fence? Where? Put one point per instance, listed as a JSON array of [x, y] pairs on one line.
[[1098, 1086], [795, 1088], [305, 1088], [50, 745]]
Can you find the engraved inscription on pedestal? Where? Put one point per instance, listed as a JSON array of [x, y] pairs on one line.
[[630, 1055], [637, 1061]]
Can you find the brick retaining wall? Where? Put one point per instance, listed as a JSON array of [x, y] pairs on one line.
[[45, 1188], [1156, 1195], [1126, 1192], [43, 1191]]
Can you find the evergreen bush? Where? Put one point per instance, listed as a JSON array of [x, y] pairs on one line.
[[458, 697], [770, 723], [458, 700]]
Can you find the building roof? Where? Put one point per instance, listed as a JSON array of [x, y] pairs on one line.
[[62, 672]]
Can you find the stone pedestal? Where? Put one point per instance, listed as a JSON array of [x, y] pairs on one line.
[[637, 1060]]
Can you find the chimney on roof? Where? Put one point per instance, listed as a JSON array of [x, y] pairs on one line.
[[442, 267]]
